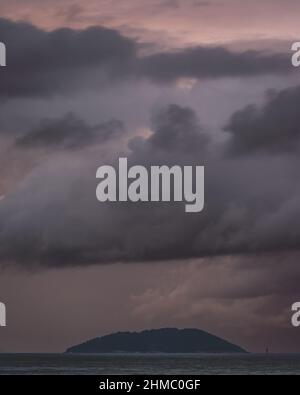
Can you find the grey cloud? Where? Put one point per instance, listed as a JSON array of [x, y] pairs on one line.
[[271, 129], [212, 62], [175, 129], [69, 132], [53, 218], [44, 63]]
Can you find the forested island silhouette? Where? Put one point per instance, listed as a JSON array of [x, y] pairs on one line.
[[164, 340]]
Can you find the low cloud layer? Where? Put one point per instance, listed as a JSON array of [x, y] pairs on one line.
[[42, 63], [209, 62], [69, 132]]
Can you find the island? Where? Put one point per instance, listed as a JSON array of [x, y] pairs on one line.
[[165, 340]]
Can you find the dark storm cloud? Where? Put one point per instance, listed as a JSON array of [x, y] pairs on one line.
[[41, 63], [251, 205], [271, 129], [69, 132], [206, 62], [176, 129]]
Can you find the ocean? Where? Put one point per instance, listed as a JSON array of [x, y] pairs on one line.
[[134, 364]]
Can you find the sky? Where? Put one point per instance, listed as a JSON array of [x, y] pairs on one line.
[[161, 82]]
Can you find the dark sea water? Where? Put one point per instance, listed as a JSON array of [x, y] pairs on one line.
[[123, 364]]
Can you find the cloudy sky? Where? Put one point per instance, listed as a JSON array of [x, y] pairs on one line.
[[184, 82]]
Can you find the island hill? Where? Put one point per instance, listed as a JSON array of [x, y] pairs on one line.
[[166, 340]]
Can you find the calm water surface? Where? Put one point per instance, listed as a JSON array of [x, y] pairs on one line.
[[123, 364]]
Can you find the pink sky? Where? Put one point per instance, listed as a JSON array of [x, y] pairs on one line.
[[173, 22]]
